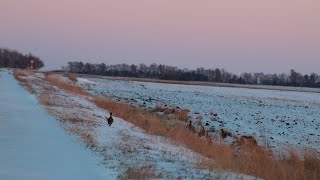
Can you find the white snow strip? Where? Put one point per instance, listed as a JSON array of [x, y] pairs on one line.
[[84, 81]]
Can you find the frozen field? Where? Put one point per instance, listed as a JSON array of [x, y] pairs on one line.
[[275, 118], [120, 151]]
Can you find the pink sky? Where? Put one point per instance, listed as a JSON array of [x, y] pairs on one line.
[[238, 35]]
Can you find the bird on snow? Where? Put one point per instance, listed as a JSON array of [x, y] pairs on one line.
[[110, 119]]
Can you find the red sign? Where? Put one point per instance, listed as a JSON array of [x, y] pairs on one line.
[[32, 63]]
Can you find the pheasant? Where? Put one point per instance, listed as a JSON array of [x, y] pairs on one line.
[[110, 119]]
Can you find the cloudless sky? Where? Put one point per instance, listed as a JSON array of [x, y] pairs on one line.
[[272, 36]]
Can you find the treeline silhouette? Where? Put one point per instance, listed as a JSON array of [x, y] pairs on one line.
[[164, 72], [14, 59]]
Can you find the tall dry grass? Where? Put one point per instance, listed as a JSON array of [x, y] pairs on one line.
[[72, 77], [251, 159], [79, 125], [145, 172], [20, 76], [248, 158], [68, 87], [182, 115], [179, 114]]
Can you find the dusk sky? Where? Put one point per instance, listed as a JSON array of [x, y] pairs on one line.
[[271, 36]]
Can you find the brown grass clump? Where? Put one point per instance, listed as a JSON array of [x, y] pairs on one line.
[[145, 172], [72, 77], [199, 120], [192, 129], [159, 108], [46, 99], [202, 131], [225, 133], [89, 139], [68, 87], [248, 139], [248, 159], [20, 76], [179, 114], [312, 167], [182, 115]]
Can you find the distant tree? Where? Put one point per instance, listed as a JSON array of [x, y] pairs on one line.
[[275, 79], [218, 75], [293, 78], [101, 69], [247, 78], [133, 70], [200, 74], [313, 78], [14, 59], [306, 80], [87, 68]]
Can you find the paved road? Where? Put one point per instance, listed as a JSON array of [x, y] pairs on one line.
[[32, 145]]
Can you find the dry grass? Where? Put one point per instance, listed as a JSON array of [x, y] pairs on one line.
[[63, 85], [179, 114], [72, 77], [251, 159], [159, 108], [225, 133], [248, 159], [46, 99], [80, 125], [182, 115], [199, 120], [89, 139], [20, 75], [311, 167], [145, 172]]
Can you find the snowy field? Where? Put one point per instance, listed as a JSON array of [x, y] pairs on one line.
[[36, 145], [276, 118]]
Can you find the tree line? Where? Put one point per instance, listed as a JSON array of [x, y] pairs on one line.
[[164, 72], [14, 59]]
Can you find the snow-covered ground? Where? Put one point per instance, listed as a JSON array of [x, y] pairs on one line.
[[278, 118], [33, 146], [122, 148]]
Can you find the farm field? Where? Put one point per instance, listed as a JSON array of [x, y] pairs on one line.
[[119, 151], [146, 139], [278, 119]]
